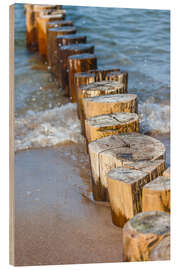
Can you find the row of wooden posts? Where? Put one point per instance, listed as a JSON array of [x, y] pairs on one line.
[[127, 167]]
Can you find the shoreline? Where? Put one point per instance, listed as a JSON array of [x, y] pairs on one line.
[[56, 221]]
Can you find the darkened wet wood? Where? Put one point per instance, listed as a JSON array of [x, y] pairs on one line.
[[42, 22], [62, 62], [79, 63], [110, 124], [125, 188], [32, 13], [82, 78], [52, 45], [167, 173], [31, 37], [115, 151], [110, 104], [119, 76], [93, 90], [102, 72], [156, 195], [142, 234], [161, 252]]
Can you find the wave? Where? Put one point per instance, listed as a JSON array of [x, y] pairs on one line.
[[154, 118], [61, 125], [48, 128]]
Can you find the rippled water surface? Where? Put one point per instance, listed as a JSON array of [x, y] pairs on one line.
[[137, 41]]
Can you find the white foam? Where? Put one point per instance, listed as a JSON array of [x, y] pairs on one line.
[[154, 117], [48, 128]]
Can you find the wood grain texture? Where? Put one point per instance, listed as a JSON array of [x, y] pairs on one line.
[[93, 90], [167, 173], [156, 195], [110, 124], [125, 188], [79, 63], [52, 44], [102, 72], [110, 104], [119, 76], [119, 150], [82, 78], [42, 22], [62, 62], [142, 234]]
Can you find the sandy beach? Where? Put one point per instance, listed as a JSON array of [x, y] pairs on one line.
[[56, 221]]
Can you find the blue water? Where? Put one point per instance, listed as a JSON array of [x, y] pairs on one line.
[[136, 40]]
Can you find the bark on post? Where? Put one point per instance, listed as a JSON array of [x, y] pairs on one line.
[[79, 63], [156, 195], [143, 233], [52, 46], [110, 124], [110, 104], [119, 76], [102, 72], [62, 62], [125, 188], [82, 78], [93, 90], [161, 252], [42, 22], [115, 151]]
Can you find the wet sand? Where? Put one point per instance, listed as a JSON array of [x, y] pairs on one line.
[[56, 222]]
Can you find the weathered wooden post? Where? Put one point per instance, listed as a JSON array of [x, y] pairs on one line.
[[125, 188], [52, 46], [58, 23], [94, 106], [96, 89], [42, 22], [79, 63], [142, 234], [118, 76], [156, 195], [102, 72], [110, 124], [62, 63], [82, 78], [32, 13], [115, 151]]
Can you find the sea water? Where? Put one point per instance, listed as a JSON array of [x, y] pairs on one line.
[[136, 40]]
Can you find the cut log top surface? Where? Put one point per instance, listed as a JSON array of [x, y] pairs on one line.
[[77, 47], [71, 36], [102, 86], [82, 56], [62, 29], [111, 120], [126, 175], [129, 147], [60, 14], [123, 98], [41, 7], [147, 166], [151, 222], [161, 252], [55, 24], [84, 75], [160, 183]]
